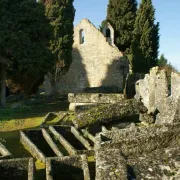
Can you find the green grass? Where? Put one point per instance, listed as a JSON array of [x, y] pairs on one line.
[[28, 116]]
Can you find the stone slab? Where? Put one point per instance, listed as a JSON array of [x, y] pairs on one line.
[[95, 98], [74, 167], [4, 152], [161, 164], [17, 169], [110, 165], [139, 140], [71, 139]]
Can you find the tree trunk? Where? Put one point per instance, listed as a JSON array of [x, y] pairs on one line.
[[3, 85]]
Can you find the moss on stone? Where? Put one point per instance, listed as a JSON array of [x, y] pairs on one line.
[[110, 112], [91, 158], [39, 165]]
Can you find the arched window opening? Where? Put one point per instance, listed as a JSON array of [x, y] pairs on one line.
[[82, 36], [108, 33]]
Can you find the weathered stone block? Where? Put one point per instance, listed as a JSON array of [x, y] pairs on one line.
[[110, 165], [153, 90], [110, 112], [71, 139], [161, 91], [40, 144], [160, 164], [171, 112], [175, 85], [95, 98], [17, 169], [146, 118], [4, 153], [75, 167], [142, 90], [81, 106], [141, 139]]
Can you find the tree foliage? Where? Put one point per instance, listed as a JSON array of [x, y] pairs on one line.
[[168, 67], [61, 16], [24, 39], [145, 38], [162, 61], [121, 15]]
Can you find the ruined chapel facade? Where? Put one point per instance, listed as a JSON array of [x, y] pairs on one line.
[[97, 62]]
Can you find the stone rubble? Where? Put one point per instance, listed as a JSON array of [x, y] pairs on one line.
[[121, 148], [153, 91]]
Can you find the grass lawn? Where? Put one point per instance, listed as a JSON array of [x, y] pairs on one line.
[[28, 116]]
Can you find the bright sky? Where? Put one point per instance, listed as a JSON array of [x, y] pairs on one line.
[[167, 13]]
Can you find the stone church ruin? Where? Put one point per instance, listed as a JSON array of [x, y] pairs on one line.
[[118, 139], [97, 62]]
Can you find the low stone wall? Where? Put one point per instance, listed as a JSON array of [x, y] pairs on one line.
[[17, 169], [95, 98], [76, 144], [87, 134], [4, 152], [81, 106], [85, 101], [80, 138], [140, 140], [51, 143], [71, 150], [40, 144], [74, 167], [32, 148], [31, 169], [110, 165]]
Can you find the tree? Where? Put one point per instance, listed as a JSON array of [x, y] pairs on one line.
[[168, 67], [162, 61], [103, 23], [121, 15], [24, 38], [61, 16], [145, 38]]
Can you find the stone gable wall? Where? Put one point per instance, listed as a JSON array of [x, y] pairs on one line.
[[95, 63]]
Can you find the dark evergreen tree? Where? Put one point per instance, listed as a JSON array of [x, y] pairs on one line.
[[103, 23], [121, 15], [61, 16], [162, 61], [146, 38], [24, 38]]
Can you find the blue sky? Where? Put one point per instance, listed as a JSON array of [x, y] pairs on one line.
[[167, 13]]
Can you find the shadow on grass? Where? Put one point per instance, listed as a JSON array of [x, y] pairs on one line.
[[32, 111], [27, 117]]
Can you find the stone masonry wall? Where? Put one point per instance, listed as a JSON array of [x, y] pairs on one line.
[[95, 63]]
